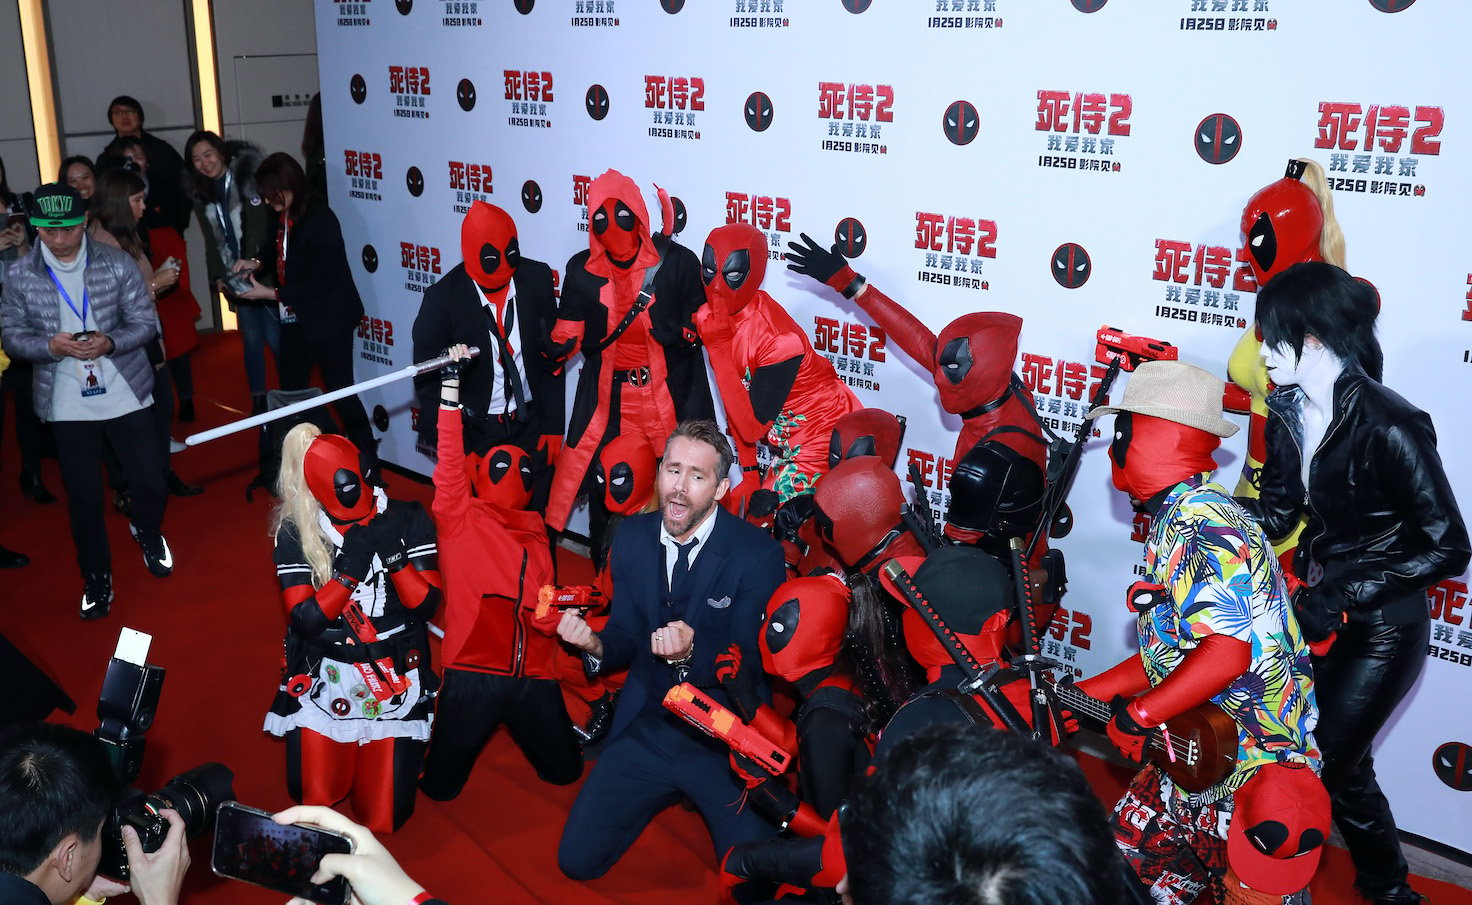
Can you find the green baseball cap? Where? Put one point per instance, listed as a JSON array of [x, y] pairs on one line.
[[57, 206]]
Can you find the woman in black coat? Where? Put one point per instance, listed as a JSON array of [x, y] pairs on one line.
[[320, 307]]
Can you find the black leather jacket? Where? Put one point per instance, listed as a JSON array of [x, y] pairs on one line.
[[1382, 520]]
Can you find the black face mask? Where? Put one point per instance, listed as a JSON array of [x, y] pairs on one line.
[[956, 360], [737, 268], [1262, 241], [1123, 429], [623, 218], [782, 625], [620, 482], [348, 486], [490, 258]]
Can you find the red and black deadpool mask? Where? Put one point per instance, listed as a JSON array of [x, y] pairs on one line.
[[974, 356], [625, 471], [502, 477], [866, 432], [733, 265], [1282, 225], [489, 246], [997, 491], [857, 509], [1149, 454], [331, 470], [618, 219], [970, 592], [806, 620]]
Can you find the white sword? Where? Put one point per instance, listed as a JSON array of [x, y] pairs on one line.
[[235, 427]]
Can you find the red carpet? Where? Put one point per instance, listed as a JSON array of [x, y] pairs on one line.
[[217, 626]]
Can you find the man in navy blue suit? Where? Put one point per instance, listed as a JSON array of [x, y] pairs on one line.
[[688, 583]]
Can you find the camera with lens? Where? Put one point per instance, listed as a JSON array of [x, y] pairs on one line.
[[125, 711]]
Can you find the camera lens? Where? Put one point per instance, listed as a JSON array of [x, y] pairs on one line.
[[195, 794]]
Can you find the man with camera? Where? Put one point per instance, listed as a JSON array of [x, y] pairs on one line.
[[56, 792], [81, 312]]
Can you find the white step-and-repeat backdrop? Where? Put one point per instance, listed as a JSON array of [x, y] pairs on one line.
[[1076, 163]]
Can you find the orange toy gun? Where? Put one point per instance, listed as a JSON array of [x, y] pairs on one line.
[[567, 597], [706, 714], [1114, 345]]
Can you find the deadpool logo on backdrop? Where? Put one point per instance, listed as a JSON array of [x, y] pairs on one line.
[[1218, 138], [1089, 6], [851, 237], [1071, 265], [370, 258], [525, 6], [358, 88], [414, 180], [1452, 762], [1392, 6], [856, 6], [465, 95], [672, 6], [596, 101], [380, 418], [758, 111], [682, 216], [403, 6], [531, 196], [961, 123]]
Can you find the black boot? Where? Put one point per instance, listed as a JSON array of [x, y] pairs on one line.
[[599, 723], [186, 410], [31, 486], [9, 559], [96, 595], [177, 486]]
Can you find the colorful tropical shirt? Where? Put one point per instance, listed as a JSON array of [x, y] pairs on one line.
[[1223, 578]]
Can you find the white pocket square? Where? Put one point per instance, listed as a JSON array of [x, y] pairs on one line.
[[718, 604]]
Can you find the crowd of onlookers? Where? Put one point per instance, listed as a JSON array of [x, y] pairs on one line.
[[138, 196]]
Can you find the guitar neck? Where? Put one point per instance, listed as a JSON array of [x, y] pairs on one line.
[[1097, 710]]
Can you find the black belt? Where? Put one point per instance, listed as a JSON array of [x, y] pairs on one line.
[[637, 377]]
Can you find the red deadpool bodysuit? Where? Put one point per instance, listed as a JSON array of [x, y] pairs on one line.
[[642, 370], [499, 665], [773, 384]]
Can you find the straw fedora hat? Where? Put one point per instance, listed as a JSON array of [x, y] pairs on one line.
[[1177, 392]]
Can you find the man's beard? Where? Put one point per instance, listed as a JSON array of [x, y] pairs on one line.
[[692, 517]]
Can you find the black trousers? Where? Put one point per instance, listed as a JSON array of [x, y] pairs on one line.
[[28, 428], [645, 769], [473, 705], [79, 446], [162, 413], [1367, 672], [334, 358]]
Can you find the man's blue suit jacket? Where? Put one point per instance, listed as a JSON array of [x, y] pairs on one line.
[[732, 579]]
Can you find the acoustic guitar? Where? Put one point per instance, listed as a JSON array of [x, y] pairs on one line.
[[1197, 749]]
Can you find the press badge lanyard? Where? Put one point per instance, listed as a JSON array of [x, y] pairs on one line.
[[86, 302]]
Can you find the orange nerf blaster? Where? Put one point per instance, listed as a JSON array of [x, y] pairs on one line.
[[567, 597], [706, 714]]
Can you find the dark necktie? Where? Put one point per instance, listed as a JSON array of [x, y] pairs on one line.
[[509, 374], [682, 565]]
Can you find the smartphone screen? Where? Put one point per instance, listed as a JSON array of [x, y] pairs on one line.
[[250, 846]]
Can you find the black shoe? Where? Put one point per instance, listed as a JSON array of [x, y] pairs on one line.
[[186, 410], [9, 559], [177, 486], [122, 501], [1398, 894], [599, 723], [156, 553], [97, 595], [257, 403], [31, 486]]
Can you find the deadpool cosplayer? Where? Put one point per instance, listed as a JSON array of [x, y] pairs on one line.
[[773, 385], [1285, 223], [1214, 628], [1382, 527], [624, 474], [970, 362], [499, 663], [627, 304], [802, 642], [359, 579], [503, 304]]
